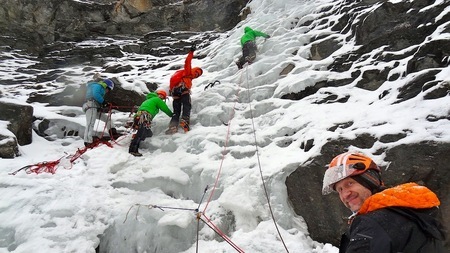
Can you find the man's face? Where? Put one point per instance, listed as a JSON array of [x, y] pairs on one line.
[[352, 193]]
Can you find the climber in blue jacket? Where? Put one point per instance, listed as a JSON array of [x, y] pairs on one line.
[[95, 101]]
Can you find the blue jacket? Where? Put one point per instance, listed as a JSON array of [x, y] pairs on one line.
[[96, 91]]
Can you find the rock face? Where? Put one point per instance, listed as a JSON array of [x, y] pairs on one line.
[[20, 118], [44, 22], [385, 35]]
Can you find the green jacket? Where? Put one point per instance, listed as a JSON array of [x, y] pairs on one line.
[[251, 34], [153, 104]]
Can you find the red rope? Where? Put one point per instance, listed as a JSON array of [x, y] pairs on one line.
[[52, 166], [210, 224], [49, 167], [224, 148]]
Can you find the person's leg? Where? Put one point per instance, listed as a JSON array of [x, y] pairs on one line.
[[149, 133], [91, 116], [112, 131], [185, 117], [136, 140], [251, 49], [241, 61], [106, 117], [176, 113], [187, 106]]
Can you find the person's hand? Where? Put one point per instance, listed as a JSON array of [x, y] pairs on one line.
[[193, 47], [105, 104], [268, 36]]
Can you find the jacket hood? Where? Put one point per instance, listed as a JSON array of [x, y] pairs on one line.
[[416, 202], [150, 95], [409, 195], [101, 83], [247, 29]]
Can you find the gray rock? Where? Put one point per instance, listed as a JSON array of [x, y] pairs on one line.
[[390, 27], [32, 24], [20, 118], [9, 147]]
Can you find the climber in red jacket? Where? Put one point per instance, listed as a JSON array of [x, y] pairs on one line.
[[180, 90]]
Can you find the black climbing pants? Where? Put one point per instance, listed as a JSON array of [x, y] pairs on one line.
[[181, 106]]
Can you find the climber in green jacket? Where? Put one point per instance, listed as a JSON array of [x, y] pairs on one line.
[[143, 119], [249, 46]]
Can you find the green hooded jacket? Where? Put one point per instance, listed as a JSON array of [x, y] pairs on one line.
[[153, 104], [251, 34]]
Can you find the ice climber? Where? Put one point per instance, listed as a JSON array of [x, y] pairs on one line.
[[248, 45], [180, 90], [94, 108], [143, 118]]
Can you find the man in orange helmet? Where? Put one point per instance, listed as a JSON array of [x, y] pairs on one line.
[[388, 220], [180, 90], [154, 102]]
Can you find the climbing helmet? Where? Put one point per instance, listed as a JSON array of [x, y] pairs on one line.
[[345, 165]]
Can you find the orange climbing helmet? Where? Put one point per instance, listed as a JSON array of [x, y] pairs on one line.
[[162, 93], [351, 164], [196, 72]]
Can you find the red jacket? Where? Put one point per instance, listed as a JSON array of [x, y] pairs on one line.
[[183, 75]]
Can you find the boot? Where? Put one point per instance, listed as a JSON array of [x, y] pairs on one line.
[[133, 150], [172, 130], [185, 125], [250, 59], [239, 65], [113, 133], [137, 154]]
